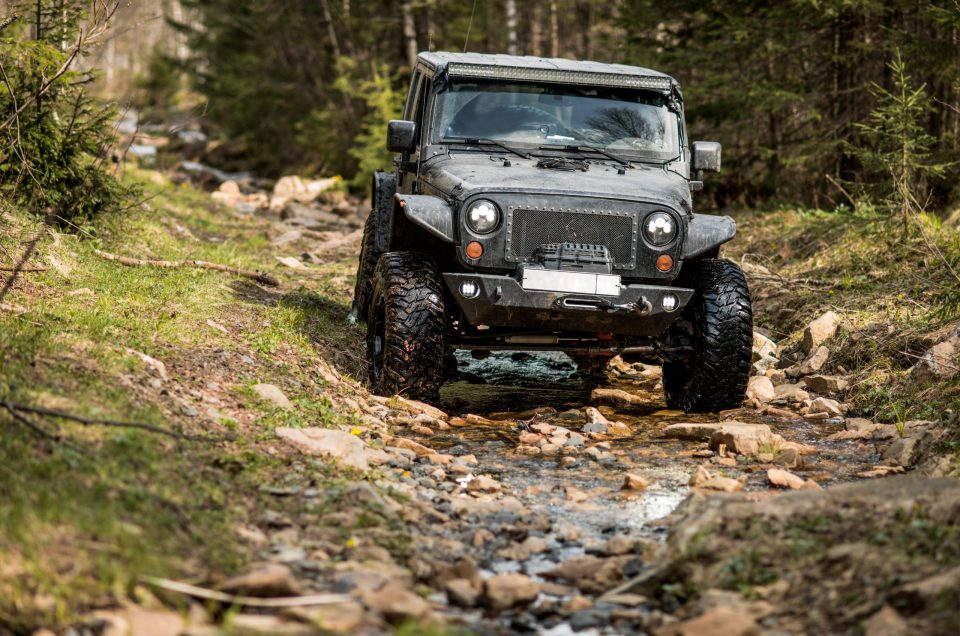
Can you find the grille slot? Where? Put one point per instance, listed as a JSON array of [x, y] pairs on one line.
[[529, 228]]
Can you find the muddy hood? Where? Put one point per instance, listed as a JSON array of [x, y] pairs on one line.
[[463, 175]]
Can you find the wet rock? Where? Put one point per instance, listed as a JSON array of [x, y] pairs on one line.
[[596, 422], [784, 479], [617, 398], [575, 569], [816, 361], [761, 388], [826, 384], [826, 405], [691, 431], [272, 393], [504, 591], [347, 449], [745, 439], [599, 455], [395, 602], [619, 429], [524, 550], [720, 621], [902, 452], [272, 580], [820, 330], [789, 457], [462, 592], [419, 449], [886, 622], [790, 393], [530, 438], [618, 546], [574, 416], [940, 362], [633, 481]]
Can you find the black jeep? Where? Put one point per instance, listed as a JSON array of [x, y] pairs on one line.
[[544, 205]]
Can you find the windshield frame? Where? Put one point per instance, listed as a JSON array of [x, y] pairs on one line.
[[544, 147]]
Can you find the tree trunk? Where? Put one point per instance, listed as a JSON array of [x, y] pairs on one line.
[[512, 27], [536, 34], [554, 30], [410, 33]]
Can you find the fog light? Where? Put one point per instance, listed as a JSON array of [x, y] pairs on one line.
[[469, 289], [474, 249], [670, 302], [664, 262]]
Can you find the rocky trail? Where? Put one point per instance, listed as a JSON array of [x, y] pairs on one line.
[[535, 502], [528, 499]]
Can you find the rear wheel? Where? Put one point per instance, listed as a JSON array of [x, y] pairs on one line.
[[405, 326], [365, 271], [719, 320]]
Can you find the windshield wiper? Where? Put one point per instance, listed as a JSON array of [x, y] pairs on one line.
[[574, 148], [483, 140]]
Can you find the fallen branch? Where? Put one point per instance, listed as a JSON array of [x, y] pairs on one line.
[[12, 309], [249, 601], [88, 421], [260, 277], [23, 270], [39, 430]]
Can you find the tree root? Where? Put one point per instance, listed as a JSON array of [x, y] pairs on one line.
[[260, 277]]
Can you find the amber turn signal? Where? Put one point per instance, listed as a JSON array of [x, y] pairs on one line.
[[664, 262], [474, 249]]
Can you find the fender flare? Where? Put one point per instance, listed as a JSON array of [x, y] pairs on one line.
[[706, 232], [431, 213]]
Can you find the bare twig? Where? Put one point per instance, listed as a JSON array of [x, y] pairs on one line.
[[24, 270], [88, 421], [842, 190], [39, 430], [4, 23], [19, 266], [260, 277]]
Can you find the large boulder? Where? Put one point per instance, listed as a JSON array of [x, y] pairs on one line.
[[760, 387], [745, 439], [345, 448]]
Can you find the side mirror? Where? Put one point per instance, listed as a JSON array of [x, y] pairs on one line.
[[401, 135], [706, 156]]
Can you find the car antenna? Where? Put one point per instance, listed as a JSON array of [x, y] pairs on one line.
[[466, 40]]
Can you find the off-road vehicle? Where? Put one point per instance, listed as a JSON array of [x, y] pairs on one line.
[[545, 205]]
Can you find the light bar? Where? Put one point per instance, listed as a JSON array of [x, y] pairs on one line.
[[560, 76]]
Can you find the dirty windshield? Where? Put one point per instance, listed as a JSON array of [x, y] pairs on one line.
[[532, 116]]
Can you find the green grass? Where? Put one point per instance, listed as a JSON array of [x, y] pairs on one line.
[[83, 517]]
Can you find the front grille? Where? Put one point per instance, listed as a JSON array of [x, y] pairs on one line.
[[529, 228]]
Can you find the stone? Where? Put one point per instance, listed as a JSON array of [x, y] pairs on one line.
[[617, 398], [721, 484], [820, 330], [619, 428], [764, 353], [886, 622], [761, 388], [272, 580], [693, 431], [826, 384], [272, 393], [902, 452], [504, 591], [596, 422], [530, 438], [700, 476], [395, 602], [289, 261], [939, 362], [926, 593], [419, 407], [347, 449], [861, 424], [419, 449], [790, 393], [815, 362], [632, 481], [784, 479], [745, 439], [618, 545], [483, 484], [575, 569], [342, 618], [789, 457], [826, 405], [719, 621], [462, 592]]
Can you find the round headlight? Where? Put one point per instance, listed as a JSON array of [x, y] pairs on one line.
[[659, 228], [483, 216]]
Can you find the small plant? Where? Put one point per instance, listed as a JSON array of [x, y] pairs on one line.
[[900, 418]]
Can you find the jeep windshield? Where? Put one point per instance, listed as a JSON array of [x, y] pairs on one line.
[[630, 123]]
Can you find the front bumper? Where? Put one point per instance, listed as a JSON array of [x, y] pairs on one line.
[[502, 302]]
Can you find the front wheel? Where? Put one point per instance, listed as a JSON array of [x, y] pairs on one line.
[[405, 327], [720, 319]]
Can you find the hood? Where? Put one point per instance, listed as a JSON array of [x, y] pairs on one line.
[[462, 174]]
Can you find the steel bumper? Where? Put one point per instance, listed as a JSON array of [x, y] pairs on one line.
[[500, 301]]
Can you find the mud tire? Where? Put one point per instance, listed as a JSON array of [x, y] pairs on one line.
[[375, 232], [716, 375], [405, 327], [591, 370]]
